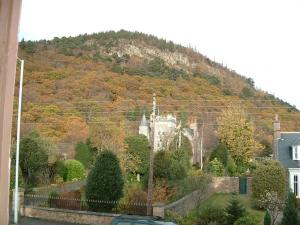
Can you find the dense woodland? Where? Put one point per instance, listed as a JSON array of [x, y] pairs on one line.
[[75, 84]]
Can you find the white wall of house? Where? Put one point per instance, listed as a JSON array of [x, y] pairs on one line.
[[164, 131], [145, 131], [294, 180]]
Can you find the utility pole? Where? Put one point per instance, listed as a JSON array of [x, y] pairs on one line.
[[151, 158], [9, 25], [16, 203]]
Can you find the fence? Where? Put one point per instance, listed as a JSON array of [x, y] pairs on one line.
[[116, 207]]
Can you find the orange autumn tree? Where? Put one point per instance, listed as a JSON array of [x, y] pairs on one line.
[[76, 129], [238, 134], [107, 134]]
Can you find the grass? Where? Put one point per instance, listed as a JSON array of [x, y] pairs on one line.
[[221, 200]]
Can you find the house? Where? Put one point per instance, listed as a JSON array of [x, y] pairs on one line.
[[287, 152], [162, 129]]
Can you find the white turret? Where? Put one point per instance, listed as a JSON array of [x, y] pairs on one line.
[[144, 127]]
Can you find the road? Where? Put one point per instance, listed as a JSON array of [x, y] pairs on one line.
[[32, 221]]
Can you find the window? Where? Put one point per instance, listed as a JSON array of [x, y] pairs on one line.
[[296, 155], [296, 185]]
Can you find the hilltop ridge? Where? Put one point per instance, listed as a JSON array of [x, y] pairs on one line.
[[75, 81]]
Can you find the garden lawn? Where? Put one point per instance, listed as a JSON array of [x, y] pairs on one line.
[[222, 200]]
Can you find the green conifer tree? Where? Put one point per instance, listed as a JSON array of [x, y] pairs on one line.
[[290, 212], [267, 219], [104, 183], [234, 211]]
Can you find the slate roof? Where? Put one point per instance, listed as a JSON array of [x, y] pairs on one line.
[[285, 149]]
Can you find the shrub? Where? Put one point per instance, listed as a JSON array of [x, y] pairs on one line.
[[290, 212], [267, 218], [269, 177], [139, 146], [58, 179], [180, 164], [171, 165], [105, 181], [60, 168], [234, 211], [220, 153], [247, 220], [177, 170], [212, 79], [133, 200], [162, 164], [33, 157], [53, 199], [247, 92], [210, 215], [232, 167], [190, 184], [84, 154], [74, 170], [215, 167], [13, 176]]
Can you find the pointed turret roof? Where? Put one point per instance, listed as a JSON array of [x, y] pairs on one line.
[[144, 120]]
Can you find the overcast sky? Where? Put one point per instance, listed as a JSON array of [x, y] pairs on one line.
[[257, 38]]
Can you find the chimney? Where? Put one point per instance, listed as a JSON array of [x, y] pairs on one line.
[[276, 136]]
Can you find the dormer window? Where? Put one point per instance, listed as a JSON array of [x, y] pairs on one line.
[[296, 153]]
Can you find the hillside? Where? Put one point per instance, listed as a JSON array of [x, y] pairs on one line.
[[71, 83]]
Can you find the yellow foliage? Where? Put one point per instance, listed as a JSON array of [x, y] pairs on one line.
[[238, 134]]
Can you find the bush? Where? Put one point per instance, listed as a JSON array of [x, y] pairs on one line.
[[13, 176], [247, 220], [232, 167], [247, 92], [269, 177], [53, 199], [139, 146], [33, 158], [234, 211], [212, 79], [180, 164], [105, 181], [210, 215], [215, 167], [84, 154], [190, 184], [162, 164], [290, 212], [134, 197], [60, 168], [267, 218], [220, 153], [58, 179], [74, 170], [171, 165]]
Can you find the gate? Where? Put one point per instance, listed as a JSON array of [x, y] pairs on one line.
[[243, 185]]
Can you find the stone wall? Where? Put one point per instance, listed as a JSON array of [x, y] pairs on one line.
[[191, 201], [225, 184], [71, 216], [184, 205], [249, 185]]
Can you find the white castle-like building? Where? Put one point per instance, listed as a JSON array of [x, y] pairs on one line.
[[165, 128]]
